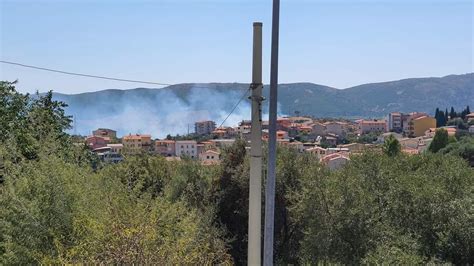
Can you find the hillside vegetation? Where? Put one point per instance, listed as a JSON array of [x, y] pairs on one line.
[[369, 100], [59, 205]]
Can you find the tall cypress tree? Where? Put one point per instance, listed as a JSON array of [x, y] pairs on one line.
[[437, 117], [452, 114], [446, 118], [442, 119]]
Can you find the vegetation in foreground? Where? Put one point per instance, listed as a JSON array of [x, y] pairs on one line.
[[55, 207]]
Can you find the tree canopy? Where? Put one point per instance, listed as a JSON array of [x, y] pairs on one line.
[[58, 205]]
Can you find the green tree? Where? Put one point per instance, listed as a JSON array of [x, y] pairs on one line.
[[440, 140], [391, 146], [404, 209], [231, 194], [463, 148]]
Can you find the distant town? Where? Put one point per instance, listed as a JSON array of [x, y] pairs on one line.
[[332, 141]]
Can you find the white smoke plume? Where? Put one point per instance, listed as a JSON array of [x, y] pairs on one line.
[[165, 114]]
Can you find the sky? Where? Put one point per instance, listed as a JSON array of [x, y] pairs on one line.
[[338, 43]]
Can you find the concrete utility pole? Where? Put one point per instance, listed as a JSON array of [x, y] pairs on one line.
[[270, 187], [255, 188]]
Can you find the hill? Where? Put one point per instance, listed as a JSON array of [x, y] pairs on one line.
[[172, 109]]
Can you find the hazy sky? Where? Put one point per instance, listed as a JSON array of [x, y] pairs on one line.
[[332, 42]]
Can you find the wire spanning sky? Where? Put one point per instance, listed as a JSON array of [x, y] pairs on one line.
[[340, 43]]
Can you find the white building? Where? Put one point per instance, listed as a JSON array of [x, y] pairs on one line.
[[471, 129], [112, 153], [186, 148], [394, 122]]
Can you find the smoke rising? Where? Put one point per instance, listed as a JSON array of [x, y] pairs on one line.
[[155, 112]]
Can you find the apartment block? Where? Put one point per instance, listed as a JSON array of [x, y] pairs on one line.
[[418, 126], [407, 118], [394, 122], [186, 148], [368, 126], [204, 127], [166, 148], [137, 143]]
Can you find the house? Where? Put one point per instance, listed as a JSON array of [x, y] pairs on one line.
[[372, 126], [137, 143], [110, 153], [415, 143], [116, 148], [471, 129], [105, 132], [225, 132], [418, 126], [94, 142], [470, 117], [305, 129], [221, 143], [337, 150], [209, 145], [210, 157], [283, 123], [319, 129], [280, 134], [292, 144], [430, 133], [336, 127], [244, 129], [335, 161], [204, 127], [187, 148], [331, 140], [219, 133], [300, 120], [165, 147], [410, 151], [354, 147], [394, 122], [319, 152]]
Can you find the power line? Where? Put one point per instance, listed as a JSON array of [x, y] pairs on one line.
[[235, 106], [118, 79], [84, 75]]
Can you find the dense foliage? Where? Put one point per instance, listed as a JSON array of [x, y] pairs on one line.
[[59, 206]]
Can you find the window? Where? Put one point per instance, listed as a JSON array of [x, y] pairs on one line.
[[208, 157]]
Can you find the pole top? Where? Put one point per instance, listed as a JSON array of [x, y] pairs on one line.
[[257, 24]]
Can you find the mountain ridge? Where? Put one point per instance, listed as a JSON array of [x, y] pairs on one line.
[[190, 101]]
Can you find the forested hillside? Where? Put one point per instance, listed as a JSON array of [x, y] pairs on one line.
[[60, 205]]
